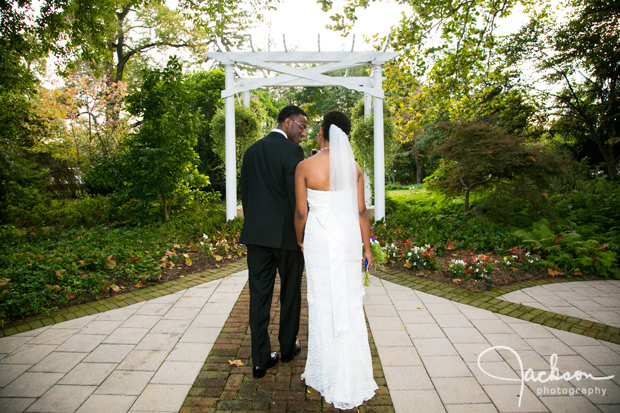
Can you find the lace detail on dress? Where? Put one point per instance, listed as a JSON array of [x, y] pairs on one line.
[[338, 366]]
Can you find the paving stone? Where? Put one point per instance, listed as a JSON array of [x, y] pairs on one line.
[[598, 355], [161, 398], [397, 338], [15, 404], [58, 362], [143, 360], [407, 378], [399, 356], [30, 385], [446, 366], [569, 404], [10, 372], [28, 354], [126, 336], [88, 374], [549, 346], [107, 403], [125, 383], [506, 398], [101, 327], [434, 347], [109, 353], [80, 343], [177, 372], [425, 331], [471, 408], [50, 336], [61, 399], [460, 390]]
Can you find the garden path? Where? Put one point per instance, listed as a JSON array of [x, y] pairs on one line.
[[149, 356], [589, 300]]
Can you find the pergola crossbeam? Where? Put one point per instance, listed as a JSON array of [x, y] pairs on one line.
[[314, 76]]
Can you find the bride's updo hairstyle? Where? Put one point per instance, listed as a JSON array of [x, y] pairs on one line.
[[338, 118]]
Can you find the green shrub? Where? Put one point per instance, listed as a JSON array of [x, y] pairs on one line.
[[570, 251], [44, 270], [62, 214]]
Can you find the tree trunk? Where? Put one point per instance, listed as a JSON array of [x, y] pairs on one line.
[[166, 207], [466, 201], [418, 166]]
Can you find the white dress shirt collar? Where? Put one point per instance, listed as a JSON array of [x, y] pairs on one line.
[[280, 131]]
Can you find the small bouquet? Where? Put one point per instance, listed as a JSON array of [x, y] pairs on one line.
[[380, 257]]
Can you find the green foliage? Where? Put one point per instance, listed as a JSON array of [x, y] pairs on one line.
[[47, 269], [580, 54], [580, 240], [363, 140], [316, 101], [160, 165], [207, 87], [570, 251], [516, 203], [248, 129], [593, 206], [23, 181], [478, 155], [60, 214], [426, 217]]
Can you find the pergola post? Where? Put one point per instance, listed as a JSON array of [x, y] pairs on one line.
[[379, 146], [230, 150], [246, 98], [367, 187]]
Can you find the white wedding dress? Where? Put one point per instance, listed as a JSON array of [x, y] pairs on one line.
[[339, 364]]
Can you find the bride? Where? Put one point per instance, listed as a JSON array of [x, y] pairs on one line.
[[331, 222]]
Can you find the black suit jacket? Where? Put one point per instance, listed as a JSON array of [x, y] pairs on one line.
[[268, 192]]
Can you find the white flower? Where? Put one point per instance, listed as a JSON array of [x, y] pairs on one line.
[[205, 236]]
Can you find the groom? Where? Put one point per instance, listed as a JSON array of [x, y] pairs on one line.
[[268, 198]]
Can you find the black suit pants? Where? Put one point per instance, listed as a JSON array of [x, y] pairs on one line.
[[262, 265]]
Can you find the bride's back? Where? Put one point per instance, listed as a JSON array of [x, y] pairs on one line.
[[318, 171]]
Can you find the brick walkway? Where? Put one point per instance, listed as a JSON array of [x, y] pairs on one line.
[[221, 386]]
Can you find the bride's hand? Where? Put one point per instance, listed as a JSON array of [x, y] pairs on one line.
[[371, 259], [301, 245]]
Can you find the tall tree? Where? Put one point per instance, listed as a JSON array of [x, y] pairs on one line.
[[478, 155], [161, 164], [110, 33], [450, 58], [582, 56]]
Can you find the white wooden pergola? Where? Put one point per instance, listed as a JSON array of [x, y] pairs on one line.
[[316, 75]]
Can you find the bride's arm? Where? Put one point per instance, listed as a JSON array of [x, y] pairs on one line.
[[364, 221], [301, 203]]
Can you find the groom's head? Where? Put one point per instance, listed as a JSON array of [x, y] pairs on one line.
[[292, 121], [338, 118]]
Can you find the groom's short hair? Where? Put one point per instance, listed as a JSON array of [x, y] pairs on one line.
[[289, 111], [338, 118]]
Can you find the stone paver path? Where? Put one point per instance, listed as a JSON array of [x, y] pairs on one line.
[[589, 300], [171, 353], [429, 348], [143, 357]]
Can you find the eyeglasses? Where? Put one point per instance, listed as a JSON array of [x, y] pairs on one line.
[[303, 128]]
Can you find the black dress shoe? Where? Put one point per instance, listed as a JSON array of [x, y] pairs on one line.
[[259, 371], [296, 351]]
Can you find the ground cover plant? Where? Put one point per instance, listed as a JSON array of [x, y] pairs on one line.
[[45, 269], [429, 236]]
